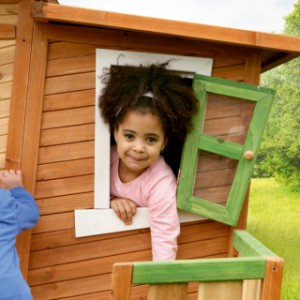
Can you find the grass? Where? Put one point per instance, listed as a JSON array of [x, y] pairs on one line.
[[274, 219]]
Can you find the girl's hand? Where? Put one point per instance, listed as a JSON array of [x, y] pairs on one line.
[[10, 179], [124, 208]]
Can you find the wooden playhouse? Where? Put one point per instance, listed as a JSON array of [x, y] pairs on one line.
[[48, 86]]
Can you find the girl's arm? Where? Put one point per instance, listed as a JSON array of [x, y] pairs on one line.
[[164, 221]]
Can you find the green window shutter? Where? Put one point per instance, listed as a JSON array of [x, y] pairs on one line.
[[236, 150]]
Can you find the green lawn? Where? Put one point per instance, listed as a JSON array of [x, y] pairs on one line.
[[274, 219]]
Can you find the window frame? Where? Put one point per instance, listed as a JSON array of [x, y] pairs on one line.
[[102, 219]]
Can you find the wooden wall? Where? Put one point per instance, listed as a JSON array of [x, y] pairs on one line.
[[58, 158], [8, 16]]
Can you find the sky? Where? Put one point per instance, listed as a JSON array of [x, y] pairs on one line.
[[257, 15]]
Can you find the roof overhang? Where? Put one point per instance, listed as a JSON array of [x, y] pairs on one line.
[[276, 49]]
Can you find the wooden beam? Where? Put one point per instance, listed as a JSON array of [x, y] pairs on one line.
[[7, 31], [17, 114], [44, 12]]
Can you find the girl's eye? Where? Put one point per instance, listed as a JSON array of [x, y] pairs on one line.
[[129, 136], [151, 140]]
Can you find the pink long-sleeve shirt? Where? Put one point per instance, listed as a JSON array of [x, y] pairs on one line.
[[155, 189]]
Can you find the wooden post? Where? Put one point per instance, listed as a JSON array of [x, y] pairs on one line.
[[17, 112], [121, 281], [271, 284]]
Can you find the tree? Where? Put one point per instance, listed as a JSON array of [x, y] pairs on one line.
[[279, 154]]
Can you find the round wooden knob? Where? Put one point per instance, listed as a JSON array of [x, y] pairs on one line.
[[249, 154]]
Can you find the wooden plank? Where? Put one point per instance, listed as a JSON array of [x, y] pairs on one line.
[[4, 125], [217, 194], [53, 136], [121, 281], [7, 43], [5, 90], [7, 31], [189, 234], [236, 73], [251, 290], [70, 117], [218, 106], [66, 203], [63, 289], [66, 169], [3, 143], [9, 8], [198, 270], [220, 178], [247, 245], [220, 146], [220, 62], [57, 153], [7, 55], [69, 100], [71, 65], [64, 186], [6, 72], [80, 269], [2, 160], [212, 162], [48, 240], [220, 290], [55, 222], [167, 291], [4, 108], [63, 49], [11, 20], [69, 83], [223, 126], [45, 12], [90, 251]]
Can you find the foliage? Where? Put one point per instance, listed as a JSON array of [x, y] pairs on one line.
[[279, 154]]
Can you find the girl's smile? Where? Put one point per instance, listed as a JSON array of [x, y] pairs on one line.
[[140, 140]]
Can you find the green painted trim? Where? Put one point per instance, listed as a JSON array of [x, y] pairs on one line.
[[203, 270], [248, 246], [220, 146], [209, 209]]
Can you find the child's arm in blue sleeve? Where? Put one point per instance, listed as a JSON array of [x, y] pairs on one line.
[[26, 209]]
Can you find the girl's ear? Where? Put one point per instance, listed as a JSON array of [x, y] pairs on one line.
[[115, 135]]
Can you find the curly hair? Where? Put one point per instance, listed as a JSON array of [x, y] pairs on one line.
[[173, 101]]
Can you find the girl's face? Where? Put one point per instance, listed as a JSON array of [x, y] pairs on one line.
[[140, 139]]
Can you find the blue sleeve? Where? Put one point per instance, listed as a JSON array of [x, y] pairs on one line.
[[26, 210]]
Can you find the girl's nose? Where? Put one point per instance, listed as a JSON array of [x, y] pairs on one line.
[[139, 146]]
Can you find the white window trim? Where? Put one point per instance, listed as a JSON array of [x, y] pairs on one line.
[[102, 219]]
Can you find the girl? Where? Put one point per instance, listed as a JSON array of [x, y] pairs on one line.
[[147, 108]]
